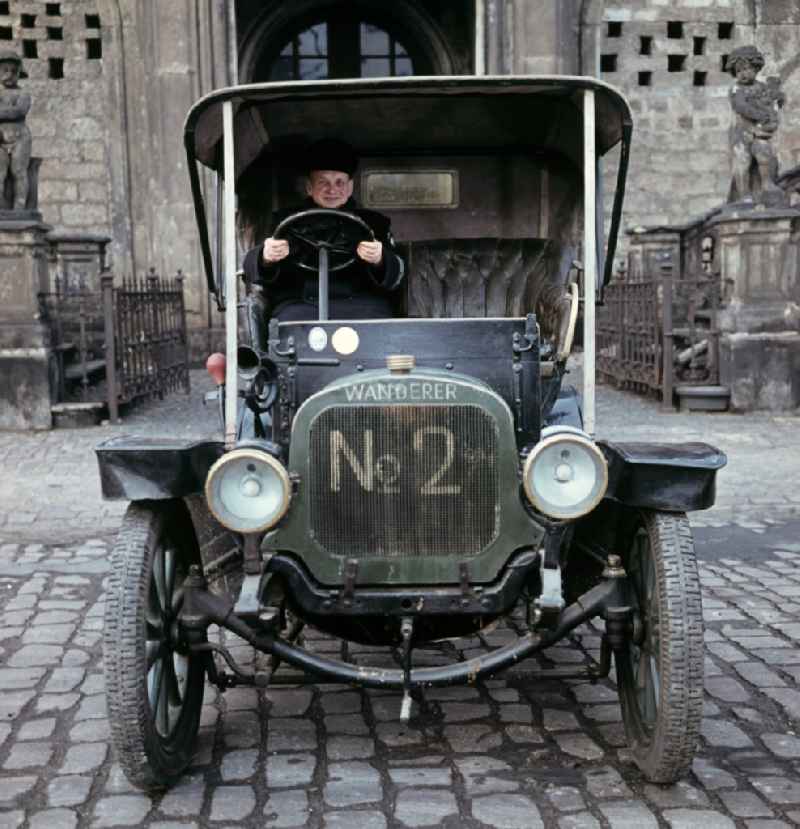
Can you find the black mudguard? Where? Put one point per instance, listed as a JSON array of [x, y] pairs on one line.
[[137, 468], [670, 477]]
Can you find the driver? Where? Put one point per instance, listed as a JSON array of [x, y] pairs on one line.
[[360, 290]]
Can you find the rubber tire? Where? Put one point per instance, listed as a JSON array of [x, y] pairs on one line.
[[664, 747], [149, 760]]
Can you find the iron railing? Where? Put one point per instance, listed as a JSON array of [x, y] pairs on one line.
[[77, 340], [690, 332], [656, 333], [119, 344], [148, 346], [629, 339]]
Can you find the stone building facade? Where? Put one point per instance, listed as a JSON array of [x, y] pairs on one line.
[[669, 60], [112, 80]]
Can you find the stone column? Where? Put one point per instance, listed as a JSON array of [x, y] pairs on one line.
[[758, 254], [25, 391], [544, 41], [170, 53]]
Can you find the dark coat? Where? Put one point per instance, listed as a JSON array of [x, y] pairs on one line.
[[285, 284]]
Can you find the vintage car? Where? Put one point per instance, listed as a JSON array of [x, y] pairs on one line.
[[401, 481]]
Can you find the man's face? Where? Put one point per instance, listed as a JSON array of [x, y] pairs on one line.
[[329, 188], [9, 73]]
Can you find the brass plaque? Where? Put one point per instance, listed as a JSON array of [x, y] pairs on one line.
[[389, 189]]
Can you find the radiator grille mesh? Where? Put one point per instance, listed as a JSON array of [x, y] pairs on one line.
[[404, 481]]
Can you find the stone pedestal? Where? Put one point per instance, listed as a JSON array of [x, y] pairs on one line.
[[77, 260], [651, 247], [25, 395], [762, 371], [758, 256]]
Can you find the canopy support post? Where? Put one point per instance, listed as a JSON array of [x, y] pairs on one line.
[[480, 37], [589, 260], [231, 293]]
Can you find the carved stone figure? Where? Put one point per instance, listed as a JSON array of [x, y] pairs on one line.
[[755, 107], [15, 137]]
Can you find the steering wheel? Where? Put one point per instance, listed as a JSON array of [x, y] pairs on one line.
[[318, 229]]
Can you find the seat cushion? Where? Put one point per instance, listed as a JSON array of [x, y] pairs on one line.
[[489, 278]]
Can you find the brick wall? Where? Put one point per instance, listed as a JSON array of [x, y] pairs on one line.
[[61, 44], [668, 59]]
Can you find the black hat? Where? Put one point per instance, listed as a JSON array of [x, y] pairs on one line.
[[331, 154]]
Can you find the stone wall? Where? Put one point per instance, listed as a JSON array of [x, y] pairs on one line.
[[169, 54], [668, 59], [62, 48], [111, 82]]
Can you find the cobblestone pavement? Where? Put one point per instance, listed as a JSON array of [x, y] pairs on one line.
[[510, 753]]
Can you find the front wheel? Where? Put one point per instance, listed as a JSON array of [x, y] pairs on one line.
[[660, 673], [154, 685]]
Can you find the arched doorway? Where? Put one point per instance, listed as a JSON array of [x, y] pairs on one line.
[[317, 39]]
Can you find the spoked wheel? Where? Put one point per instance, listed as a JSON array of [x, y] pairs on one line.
[[660, 674], [154, 686]]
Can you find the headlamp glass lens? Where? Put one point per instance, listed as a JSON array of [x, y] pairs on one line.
[[248, 490], [565, 476]]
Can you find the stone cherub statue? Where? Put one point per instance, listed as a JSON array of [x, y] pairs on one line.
[[15, 137], [755, 107]]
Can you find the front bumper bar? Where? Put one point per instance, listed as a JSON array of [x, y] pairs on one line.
[[202, 608]]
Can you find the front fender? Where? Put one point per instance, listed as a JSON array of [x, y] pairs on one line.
[[675, 478], [138, 468]]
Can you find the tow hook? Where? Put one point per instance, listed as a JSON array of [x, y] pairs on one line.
[[406, 631]]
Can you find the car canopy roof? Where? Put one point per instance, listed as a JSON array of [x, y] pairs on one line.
[[409, 115], [494, 115]]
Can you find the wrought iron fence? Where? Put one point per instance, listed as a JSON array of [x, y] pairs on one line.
[[120, 344], [691, 333], [629, 338], [77, 339], [655, 333], [150, 346]]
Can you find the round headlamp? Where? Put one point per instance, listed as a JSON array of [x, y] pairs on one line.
[[565, 475], [248, 490]]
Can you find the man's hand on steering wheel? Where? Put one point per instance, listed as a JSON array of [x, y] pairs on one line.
[[275, 249], [302, 235], [370, 252]]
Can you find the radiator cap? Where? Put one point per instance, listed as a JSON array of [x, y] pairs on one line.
[[400, 363]]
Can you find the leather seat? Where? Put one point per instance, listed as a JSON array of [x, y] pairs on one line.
[[491, 278]]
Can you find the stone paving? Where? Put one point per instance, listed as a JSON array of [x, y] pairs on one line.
[[510, 753]]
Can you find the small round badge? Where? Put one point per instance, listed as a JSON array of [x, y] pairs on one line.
[[317, 338], [344, 340]]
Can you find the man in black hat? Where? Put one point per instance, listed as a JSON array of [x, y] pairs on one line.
[[358, 291]]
